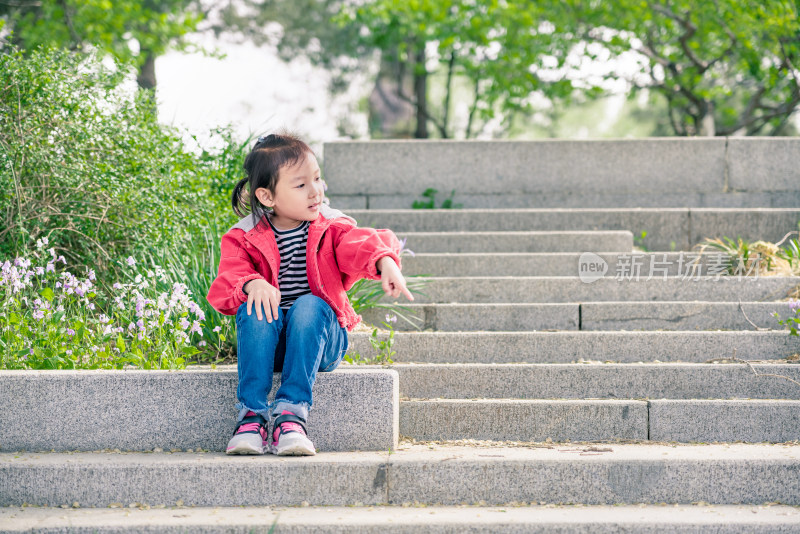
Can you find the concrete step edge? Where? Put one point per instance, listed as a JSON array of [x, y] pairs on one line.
[[514, 518], [750, 421], [426, 473]]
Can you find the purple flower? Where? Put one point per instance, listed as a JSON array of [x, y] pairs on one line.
[[217, 329], [70, 332], [391, 318], [794, 305], [131, 261], [403, 248]]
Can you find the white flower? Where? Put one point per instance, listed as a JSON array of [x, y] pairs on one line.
[[131, 261]]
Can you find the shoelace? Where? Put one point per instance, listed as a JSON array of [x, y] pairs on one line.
[[249, 426], [291, 427]]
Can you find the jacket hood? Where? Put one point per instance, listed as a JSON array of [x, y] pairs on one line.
[[328, 213]]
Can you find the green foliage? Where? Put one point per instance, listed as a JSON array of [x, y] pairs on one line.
[[430, 204], [638, 240], [498, 47], [757, 257], [366, 294], [88, 165], [109, 26], [723, 67], [54, 320], [383, 347], [791, 323], [720, 67]]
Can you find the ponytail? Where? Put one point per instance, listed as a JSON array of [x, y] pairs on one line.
[[240, 200]]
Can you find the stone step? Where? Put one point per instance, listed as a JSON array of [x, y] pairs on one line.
[[354, 409], [588, 316], [562, 263], [778, 380], [748, 421], [730, 172], [424, 473], [561, 289], [514, 519], [667, 228], [525, 241], [567, 347]]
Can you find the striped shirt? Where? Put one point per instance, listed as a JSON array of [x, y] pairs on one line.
[[292, 275]]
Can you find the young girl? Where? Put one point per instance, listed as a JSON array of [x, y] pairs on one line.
[[283, 272]]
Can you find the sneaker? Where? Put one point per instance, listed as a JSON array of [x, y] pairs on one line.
[[289, 436], [250, 436]]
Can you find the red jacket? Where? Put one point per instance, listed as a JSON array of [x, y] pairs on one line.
[[338, 253]]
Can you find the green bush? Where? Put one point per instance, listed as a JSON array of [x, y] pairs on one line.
[[52, 319], [85, 163]]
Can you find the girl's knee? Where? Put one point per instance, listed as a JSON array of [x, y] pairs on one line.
[[253, 323], [308, 307]]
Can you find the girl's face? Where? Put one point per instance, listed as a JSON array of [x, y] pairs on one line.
[[298, 194]]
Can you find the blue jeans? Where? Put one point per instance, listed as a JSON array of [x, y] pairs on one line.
[[304, 339]]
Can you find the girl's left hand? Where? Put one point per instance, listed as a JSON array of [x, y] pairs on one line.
[[392, 280]]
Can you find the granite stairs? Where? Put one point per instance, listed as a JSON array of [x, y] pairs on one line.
[[576, 369]]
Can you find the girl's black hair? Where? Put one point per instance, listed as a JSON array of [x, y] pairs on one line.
[[262, 165]]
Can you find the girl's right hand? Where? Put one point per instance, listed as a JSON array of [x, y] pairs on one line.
[[262, 293]]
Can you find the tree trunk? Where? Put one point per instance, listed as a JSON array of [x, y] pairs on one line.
[[421, 93], [147, 72], [707, 125], [389, 115]]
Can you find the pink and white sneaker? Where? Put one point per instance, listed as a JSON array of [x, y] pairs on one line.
[[250, 436], [289, 436]]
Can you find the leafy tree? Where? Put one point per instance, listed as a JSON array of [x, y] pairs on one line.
[[138, 30], [724, 66], [501, 50]]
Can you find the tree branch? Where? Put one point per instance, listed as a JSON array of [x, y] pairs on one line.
[[690, 28], [72, 33], [425, 112]]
